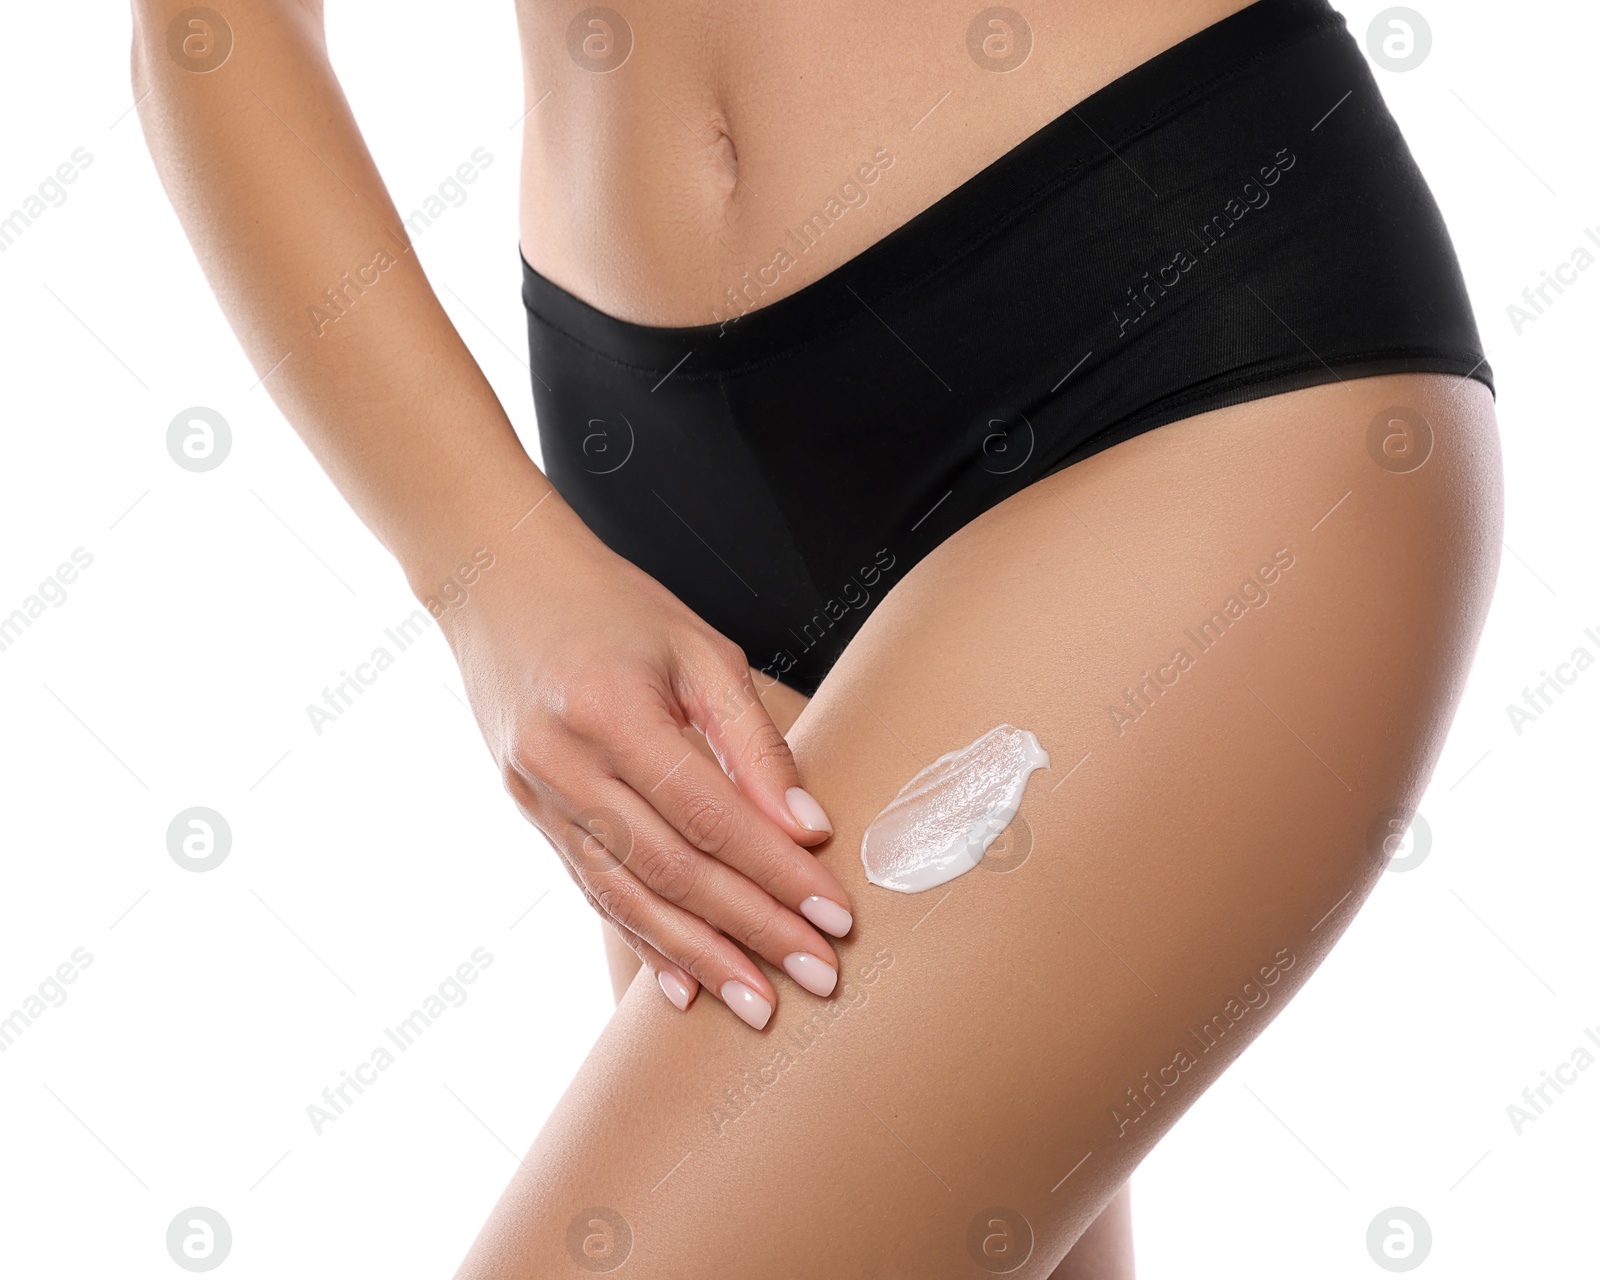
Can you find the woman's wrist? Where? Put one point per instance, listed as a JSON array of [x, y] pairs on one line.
[[455, 557]]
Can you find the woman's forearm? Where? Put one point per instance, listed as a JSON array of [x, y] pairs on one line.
[[270, 177], [583, 671]]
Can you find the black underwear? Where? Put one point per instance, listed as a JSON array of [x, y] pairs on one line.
[[1235, 218]]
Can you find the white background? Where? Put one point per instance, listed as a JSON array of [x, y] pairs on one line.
[[369, 861]]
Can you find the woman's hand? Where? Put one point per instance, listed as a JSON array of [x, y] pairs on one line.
[[584, 672], [581, 669]]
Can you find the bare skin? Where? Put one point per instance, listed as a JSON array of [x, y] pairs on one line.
[[1105, 1250], [999, 1044], [1203, 859], [582, 669], [653, 188]]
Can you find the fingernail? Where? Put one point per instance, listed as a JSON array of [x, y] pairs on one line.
[[828, 916], [813, 973], [672, 987], [746, 1003], [807, 812]]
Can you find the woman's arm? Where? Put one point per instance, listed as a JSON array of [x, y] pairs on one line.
[[582, 670], [293, 226]]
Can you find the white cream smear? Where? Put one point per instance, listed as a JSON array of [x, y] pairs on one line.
[[947, 816]]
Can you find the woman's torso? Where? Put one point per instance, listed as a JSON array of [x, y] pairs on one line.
[[684, 164]]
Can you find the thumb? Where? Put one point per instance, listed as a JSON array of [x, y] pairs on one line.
[[722, 702]]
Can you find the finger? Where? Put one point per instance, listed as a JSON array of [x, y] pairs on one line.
[[600, 841], [682, 938], [718, 695], [700, 802], [715, 892], [679, 987]]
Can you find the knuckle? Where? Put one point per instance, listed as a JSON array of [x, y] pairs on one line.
[[614, 901], [583, 720], [519, 774], [735, 691], [717, 678], [674, 874], [766, 746], [600, 840], [762, 934], [591, 709], [576, 703], [699, 958], [707, 653], [709, 825], [729, 655]]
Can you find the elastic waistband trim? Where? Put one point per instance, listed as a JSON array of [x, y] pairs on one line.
[[1089, 133]]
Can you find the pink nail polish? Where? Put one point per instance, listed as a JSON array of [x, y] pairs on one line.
[[813, 973], [807, 812], [746, 1003], [672, 987], [828, 916]]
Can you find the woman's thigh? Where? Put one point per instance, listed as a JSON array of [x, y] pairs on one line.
[[1105, 1249], [1241, 639]]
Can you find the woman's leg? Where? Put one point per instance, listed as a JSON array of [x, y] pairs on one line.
[[1105, 1250], [1241, 638]]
